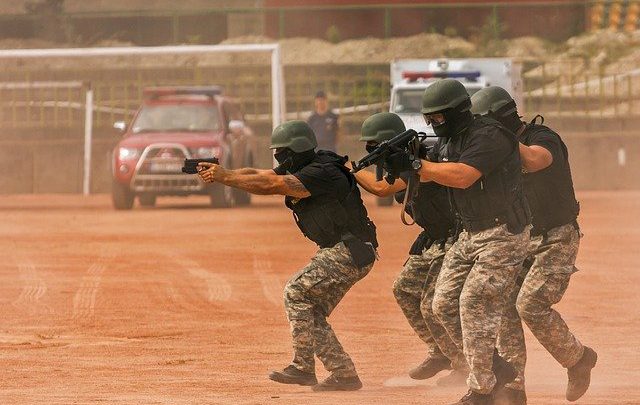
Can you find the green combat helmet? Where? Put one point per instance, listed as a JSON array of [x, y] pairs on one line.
[[295, 135], [381, 127], [492, 99], [443, 95]]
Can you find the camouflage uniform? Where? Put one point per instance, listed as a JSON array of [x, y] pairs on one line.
[[413, 289], [309, 298], [552, 257], [471, 293]]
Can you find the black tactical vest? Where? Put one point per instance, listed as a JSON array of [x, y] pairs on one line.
[[327, 220], [431, 210], [549, 191], [495, 199]]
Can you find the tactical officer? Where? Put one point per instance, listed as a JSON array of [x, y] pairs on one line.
[[414, 286], [327, 207], [478, 160], [552, 251]]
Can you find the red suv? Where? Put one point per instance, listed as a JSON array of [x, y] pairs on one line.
[[172, 124]]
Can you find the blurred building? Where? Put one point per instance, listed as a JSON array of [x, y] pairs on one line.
[[211, 21], [554, 20]]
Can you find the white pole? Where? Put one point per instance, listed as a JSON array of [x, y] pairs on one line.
[[88, 135], [277, 92], [277, 88], [133, 50]]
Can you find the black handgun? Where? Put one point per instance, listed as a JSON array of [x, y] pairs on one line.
[[191, 165]]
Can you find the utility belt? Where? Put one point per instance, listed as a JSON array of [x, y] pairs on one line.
[[545, 231], [516, 220], [425, 241]]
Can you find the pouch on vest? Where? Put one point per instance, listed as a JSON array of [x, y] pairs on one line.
[[362, 253]]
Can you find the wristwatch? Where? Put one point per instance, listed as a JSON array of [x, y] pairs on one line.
[[416, 164]]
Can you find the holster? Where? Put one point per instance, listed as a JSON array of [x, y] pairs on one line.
[[420, 244], [363, 254]]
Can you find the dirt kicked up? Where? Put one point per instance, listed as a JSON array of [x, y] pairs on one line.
[[182, 304]]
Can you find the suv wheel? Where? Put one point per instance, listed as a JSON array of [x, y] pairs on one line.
[[221, 196], [121, 196], [147, 200]]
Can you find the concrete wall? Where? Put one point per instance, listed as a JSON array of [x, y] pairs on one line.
[[599, 161]]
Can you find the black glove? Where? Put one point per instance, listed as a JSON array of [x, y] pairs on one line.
[[396, 163]]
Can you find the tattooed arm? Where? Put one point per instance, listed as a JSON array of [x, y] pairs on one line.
[[254, 181]]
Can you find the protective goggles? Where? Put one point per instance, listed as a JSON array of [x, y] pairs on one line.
[[434, 119]]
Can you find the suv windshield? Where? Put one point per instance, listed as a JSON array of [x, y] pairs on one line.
[[185, 117], [409, 101]]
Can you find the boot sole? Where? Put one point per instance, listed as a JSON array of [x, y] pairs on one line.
[[592, 366], [283, 379]]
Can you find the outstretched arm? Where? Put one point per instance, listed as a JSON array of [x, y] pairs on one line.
[[255, 181]]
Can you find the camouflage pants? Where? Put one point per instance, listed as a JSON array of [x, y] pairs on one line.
[[309, 298], [413, 289], [477, 275], [542, 284]]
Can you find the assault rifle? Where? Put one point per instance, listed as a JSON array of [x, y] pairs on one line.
[[191, 165], [408, 141]]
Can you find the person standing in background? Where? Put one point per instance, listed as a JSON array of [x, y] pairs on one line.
[[324, 123]]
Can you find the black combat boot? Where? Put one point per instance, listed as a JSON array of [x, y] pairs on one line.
[[473, 398], [509, 396], [503, 370], [456, 378], [430, 367], [291, 375], [335, 383], [580, 374]]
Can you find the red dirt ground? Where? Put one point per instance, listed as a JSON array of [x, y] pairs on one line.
[[181, 304]]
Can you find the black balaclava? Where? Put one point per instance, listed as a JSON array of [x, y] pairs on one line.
[[290, 161], [508, 116], [456, 120]]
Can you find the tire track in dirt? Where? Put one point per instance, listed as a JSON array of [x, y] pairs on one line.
[[33, 290], [84, 300], [217, 288], [271, 284]]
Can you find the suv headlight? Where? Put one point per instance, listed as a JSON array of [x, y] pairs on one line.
[[127, 153], [206, 152]]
